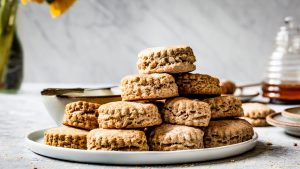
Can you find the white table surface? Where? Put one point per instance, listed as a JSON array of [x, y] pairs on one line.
[[23, 112]]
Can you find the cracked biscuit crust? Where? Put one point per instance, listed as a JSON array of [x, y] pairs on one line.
[[168, 137], [225, 106], [173, 59], [148, 86], [184, 111], [117, 140], [66, 137], [123, 114], [81, 114], [198, 84], [226, 132]]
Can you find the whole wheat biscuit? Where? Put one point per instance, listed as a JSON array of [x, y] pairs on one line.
[[184, 111], [197, 84], [226, 132], [256, 110], [123, 114], [81, 114], [67, 137], [225, 106], [256, 122], [168, 137], [173, 59], [117, 140], [148, 86]]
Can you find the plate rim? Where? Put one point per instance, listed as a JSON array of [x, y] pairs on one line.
[[287, 113], [270, 119], [30, 141]]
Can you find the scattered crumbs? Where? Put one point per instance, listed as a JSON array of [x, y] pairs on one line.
[[19, 158], [295, 144], [269, 143]]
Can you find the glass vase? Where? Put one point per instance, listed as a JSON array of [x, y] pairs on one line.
[[11, 55]]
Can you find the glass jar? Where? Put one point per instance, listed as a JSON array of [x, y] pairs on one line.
[[282, 77]]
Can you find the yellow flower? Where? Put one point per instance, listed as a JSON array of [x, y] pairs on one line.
[[57, 7], [24, 2]]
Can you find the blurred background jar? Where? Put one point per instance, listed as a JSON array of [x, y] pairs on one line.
[[282, 77], [11, 55]]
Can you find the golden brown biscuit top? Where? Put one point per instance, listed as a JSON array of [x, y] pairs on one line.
[[81, 106], [228, 125], [182, 103], [157, 52], [256, 110], [126, 107], [116, 133], [65, 130], [148, 79], [203, 78], [169, 133], [214, 101]]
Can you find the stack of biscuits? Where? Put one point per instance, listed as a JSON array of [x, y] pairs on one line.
[[163, 108]]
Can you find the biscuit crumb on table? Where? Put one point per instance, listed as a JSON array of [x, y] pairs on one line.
[[269, 143]]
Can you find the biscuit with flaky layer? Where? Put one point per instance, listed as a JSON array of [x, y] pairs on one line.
[[148, 86], [117, 140], [184, 111], [81, 114], [197, 84], [124, 114], [225, 106], [226, 132], [66, 137], [168, 137], [172, 59]]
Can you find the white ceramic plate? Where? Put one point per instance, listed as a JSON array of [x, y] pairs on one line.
[[35, 143], [290, 126], [292, 114]]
